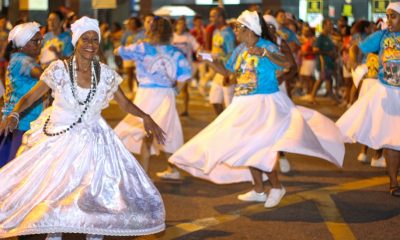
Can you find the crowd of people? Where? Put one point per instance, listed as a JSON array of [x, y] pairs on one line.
[[80, 175]]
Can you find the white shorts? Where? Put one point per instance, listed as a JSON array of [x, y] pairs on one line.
[[307, 68], [220, 94]]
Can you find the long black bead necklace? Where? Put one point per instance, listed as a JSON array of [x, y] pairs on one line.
[[86, 103]]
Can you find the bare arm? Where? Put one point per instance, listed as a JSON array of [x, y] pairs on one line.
[[278, 58], [150, 126], [219, 67], [36, 72], [354, 56], [25, 102]]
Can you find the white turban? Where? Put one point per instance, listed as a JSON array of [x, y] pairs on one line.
[[83, 25], [22, 33], [395, 6], [251, 21], [271, 20]]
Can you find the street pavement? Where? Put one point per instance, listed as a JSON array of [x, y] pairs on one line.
[[322, 201]]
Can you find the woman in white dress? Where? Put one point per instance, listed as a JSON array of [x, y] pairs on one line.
[[260, 122], [373, 118], [161, 68], [77, 176]]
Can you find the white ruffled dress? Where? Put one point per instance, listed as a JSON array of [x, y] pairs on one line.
[[82, 181]]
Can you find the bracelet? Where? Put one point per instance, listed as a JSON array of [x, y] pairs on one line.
[[264, 52], [14, 115]]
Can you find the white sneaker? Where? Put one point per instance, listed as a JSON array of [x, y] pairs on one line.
[[380, 162], [167, 174], [54, 236], [284, 165], [362, 157], [253, 196], [274, 197]]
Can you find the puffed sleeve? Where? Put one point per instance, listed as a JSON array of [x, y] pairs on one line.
[[54, 74]]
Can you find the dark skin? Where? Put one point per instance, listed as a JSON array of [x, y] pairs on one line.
[[392, 156], [249, 38], [86, 49], [32, 49]]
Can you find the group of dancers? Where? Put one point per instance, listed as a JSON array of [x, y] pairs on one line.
[[74, 174]]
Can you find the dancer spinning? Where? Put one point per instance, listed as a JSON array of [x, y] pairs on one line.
[[260, 122], [22, 74], [78, 177], [371, 120], [160, 67]]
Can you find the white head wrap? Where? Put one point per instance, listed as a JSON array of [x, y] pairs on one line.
[[22, 33], [271, 20], [83, 25], [395, 6], [251, 21]]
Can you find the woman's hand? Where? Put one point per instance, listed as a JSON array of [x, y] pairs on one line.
[[153, 130], [256, 51], [8, 125]]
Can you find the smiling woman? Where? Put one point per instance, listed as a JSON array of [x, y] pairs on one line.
[[78, 176]]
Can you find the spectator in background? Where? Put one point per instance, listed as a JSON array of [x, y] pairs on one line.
[[223, 44], [116, 35], [183, 40], [326, 55], [3, 45], [56, 42], [130, 36]]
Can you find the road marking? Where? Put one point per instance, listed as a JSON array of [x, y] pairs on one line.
[[328, 210]]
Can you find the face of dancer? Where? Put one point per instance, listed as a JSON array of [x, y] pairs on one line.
[[33, 46], [147, 23], [241, 32], [393, 20], [88, 45]]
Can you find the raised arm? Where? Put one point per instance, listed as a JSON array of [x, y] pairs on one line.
[[150, 126]]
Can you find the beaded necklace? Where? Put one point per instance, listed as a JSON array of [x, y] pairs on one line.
[[74, 85]]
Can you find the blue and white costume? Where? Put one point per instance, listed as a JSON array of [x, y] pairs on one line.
[[260, 122], [158, 68]]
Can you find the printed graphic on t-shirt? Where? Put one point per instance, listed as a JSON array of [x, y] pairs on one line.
[[163, 63], [246, 76], [391, 61], [373, 65]]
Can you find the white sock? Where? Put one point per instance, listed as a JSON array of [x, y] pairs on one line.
[[54, 236]]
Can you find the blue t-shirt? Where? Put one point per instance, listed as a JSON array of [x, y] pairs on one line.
[[387, 44], [223, 43], [63, 39], [254, 74], [18, 83], [288, 35], [325, 44], [157, 65]]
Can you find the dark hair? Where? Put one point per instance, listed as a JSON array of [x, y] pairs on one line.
[[265, 33], [136, 21], [197, 17], [116, 26], [58, 13], [279, 11], [325, 21], [163, 28], [361, 25], [10, 49], [220, 10]]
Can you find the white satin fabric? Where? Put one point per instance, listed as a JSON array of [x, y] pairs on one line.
[[160, 104], [83, 181], [373, 119], [251, 132]]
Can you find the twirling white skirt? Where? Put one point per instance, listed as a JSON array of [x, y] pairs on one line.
[[251, 132], [373, 119], [160, 104], [84, 181]]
